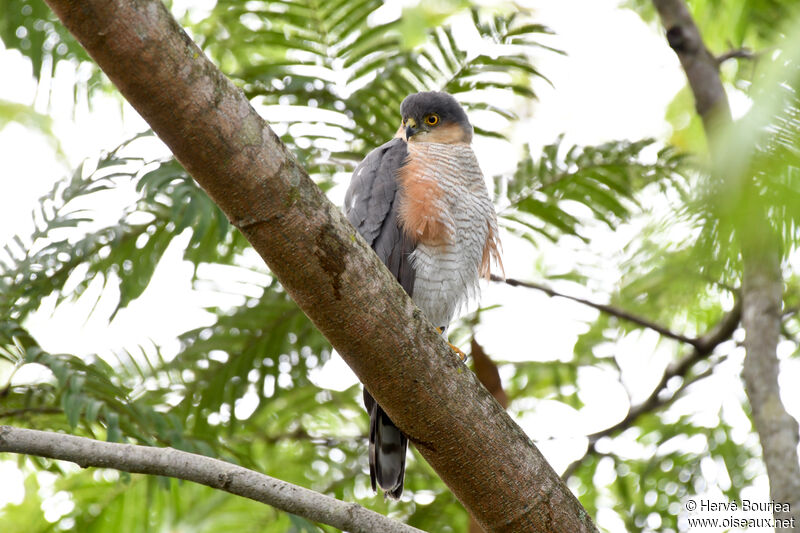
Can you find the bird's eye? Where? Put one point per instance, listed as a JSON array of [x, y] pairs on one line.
[[432, 120]]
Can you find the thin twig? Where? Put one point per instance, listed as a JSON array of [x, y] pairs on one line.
[[705, 345], [608, 309], [736, 53]]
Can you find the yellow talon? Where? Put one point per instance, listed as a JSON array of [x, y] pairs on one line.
[[461, 355]]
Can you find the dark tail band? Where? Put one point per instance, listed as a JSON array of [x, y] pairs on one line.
[[387, 450]]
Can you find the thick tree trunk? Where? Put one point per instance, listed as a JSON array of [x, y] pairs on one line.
[[762, 288], [700, 66], [479, 452], [762, 282], [489, 376]]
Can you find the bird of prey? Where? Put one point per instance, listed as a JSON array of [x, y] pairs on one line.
[[421, 203]]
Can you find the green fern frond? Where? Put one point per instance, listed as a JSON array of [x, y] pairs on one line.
[[606, 179]]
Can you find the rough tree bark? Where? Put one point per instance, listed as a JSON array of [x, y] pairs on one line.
[[479, 452], [762, 289], [489, 376], [762, 282], [700, 66], [200, 469]]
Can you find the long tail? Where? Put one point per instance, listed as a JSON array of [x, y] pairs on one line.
[[387, 450]]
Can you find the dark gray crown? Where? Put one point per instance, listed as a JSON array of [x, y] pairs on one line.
[[419, 105]]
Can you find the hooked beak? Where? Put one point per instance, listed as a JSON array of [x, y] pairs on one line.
[[411, 128]]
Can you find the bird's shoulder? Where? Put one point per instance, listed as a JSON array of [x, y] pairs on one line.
[[373, 187]]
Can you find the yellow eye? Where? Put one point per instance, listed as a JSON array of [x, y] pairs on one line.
[[432, 120]]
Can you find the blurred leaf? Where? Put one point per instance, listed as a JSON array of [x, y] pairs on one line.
[[33, 29]]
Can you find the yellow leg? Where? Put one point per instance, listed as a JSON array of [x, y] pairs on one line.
[[461, 355]]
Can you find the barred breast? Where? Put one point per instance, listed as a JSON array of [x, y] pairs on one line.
[[445, 207]]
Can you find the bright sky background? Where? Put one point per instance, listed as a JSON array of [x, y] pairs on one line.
[[615, 83]]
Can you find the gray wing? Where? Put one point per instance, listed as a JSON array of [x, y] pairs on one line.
[[371, 206]]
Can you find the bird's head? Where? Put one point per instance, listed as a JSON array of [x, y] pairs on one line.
[[434, 117]]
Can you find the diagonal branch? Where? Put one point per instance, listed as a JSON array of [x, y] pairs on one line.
[[200, 469], [736, 53], [485, 458], [762, 281], [608, 309], [705, 345], [700, 66], [722, 332]]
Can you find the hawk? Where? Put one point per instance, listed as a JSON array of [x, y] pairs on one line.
[[421, 203]]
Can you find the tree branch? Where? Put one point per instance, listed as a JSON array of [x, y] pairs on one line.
[[200, 469], [736, 53], [705, 345], [762, 283], [778, 431], [325, 266], [698, 63]]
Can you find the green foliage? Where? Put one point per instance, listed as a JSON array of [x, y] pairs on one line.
[[265, 346], [688, 284], [330, 77], [550, 380], [755, 26], [329, 56], [255, 358], [733, 23], [605, 179], [27, 116], [766, 182], [663, 481], [126, 250], [32, 28], [105, 501], [757, 178]]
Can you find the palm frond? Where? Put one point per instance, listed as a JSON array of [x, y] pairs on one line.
[[333, 57], [606, 180]]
